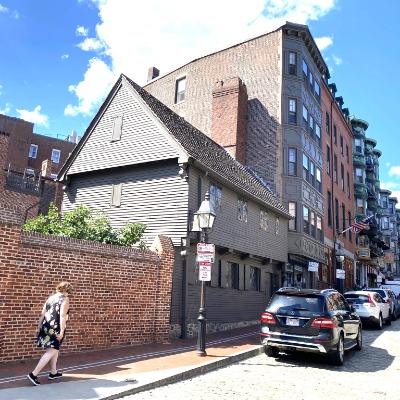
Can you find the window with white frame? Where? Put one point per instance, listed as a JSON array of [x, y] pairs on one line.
[[305, 70], [335, 170], [305, 168], [319, 228], [55, 156], [305, 118], [292, 170], [317, 90], [292, 211], [359, 175], [342, 176], [33, 151], [360, 206], [312, 173], [180, 89], [292, 111], [306, 220], [215, 197], [334, 135], [318, 134], [318, 180], [358, 145], [312, 220], [328, 160], [292, 63], [385, 223], [263, 220], [242, 210]]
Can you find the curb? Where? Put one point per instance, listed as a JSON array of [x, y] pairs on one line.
[[201, 369]]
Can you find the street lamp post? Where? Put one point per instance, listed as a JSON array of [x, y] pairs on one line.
[[205, 217], [339, 254]]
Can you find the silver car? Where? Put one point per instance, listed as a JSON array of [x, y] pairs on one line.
[[370, 307]]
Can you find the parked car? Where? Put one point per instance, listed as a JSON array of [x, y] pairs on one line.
[[390, 298], [370, 306], [310, 320]]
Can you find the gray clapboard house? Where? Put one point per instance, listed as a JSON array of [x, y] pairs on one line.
[[140, 161]]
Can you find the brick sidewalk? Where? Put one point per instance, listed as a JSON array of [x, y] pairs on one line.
[[107, 374]]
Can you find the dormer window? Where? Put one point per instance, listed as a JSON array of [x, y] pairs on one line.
[[180, 90]]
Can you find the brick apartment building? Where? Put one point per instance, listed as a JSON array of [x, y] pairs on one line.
[[262, 100], [338, 190], [29, 164]]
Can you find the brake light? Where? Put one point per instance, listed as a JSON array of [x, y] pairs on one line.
[[388, 301], [370, 301], [323, 323], [267, 318]]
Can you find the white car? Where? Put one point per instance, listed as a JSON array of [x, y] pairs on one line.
[[370, 307]]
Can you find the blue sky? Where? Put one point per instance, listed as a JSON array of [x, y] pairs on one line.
[[60, 58]]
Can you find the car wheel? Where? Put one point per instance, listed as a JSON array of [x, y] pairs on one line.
[[358, 345], [380, 322], [394, 314], [271, 351], [337, 356], [389, 319]]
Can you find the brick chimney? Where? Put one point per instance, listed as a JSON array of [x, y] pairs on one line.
[[152, 73], [4, 142], [229, 117], [47, 166]]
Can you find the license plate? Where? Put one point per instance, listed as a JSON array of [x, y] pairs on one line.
[[292, 321]]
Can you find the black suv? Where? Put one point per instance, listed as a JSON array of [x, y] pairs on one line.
[[310, 320]]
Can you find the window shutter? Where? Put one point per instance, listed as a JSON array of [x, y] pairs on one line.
[[116, 195], [117, 129]]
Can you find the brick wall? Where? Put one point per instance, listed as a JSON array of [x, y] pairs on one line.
[[121, 295]]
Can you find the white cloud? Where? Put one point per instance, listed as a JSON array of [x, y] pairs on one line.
[[82, 31], [168, 34], [337, 60], [394, 171], [34, 116], [64, 56], [90, 44], [6, 110], [3, 9], [323, 42], [92, 90]]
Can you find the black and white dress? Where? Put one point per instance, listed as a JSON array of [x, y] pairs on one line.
[[51, 323]]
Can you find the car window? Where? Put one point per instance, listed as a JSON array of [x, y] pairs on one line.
[[378, 298], [283, 303], [356, 298], [343, 303]]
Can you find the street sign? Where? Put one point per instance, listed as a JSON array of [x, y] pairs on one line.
[[205, 248], [340, 274], [204, 271], [205, 257]]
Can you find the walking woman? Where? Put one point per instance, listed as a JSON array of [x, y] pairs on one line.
[[51, 331]]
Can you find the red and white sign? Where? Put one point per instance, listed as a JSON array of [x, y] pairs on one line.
[[205, 252], [340, 274], [204, 271]]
